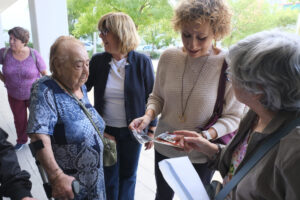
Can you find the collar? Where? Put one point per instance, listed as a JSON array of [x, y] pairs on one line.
[[282, 117], [130, 57]]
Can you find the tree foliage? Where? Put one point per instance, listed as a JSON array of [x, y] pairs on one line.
[[153, 18], [159, 34], [145, 13], [251, 16]]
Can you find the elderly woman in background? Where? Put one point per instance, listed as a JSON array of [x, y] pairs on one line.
[[21, 67], [122, 79], [186, 85], [265, 73], [73, 149]]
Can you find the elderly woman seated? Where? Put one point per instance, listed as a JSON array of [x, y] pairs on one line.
[[73, 148], [265, 74]]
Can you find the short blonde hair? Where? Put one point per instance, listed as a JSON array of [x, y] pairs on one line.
[[121, 26], [61, 42], [215, 12]]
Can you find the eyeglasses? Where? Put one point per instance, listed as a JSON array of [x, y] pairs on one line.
[[228, 74], [230, 77], [103, 32]]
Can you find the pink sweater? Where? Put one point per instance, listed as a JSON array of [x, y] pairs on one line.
[[20, 75]]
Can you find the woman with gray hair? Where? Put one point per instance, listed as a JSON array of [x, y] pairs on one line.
[[186, 87], [265, 74], [59, 108]]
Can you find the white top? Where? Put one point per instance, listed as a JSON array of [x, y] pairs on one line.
[[165, 98], [114, 108]]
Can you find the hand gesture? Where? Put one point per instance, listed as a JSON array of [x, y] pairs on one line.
[[140, 123], [193, 141]]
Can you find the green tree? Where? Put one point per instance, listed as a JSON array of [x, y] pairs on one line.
[[251, 16], [159, 34], [143, 12], [292, 1]]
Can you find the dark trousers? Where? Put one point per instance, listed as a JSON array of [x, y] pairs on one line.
[[120, 178], [164, 191], [19, 110]]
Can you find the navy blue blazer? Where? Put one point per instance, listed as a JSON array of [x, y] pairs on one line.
[[139, 81]]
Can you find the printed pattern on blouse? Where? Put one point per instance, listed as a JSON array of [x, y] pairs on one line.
[[237, 157], [20, 75], [76, 145]]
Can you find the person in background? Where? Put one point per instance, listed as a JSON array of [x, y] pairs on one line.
[[15, 183], [72, 147], [186, 86], [21, 67], [122, 79], [265, 74]]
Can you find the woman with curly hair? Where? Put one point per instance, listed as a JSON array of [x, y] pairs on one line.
[[265, 75], [186, 85]]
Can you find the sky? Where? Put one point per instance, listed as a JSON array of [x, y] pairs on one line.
[[16, 15]]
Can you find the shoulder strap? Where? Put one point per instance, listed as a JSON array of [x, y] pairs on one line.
[[4, 54], [218, 109], [85, 110], [34, 58], [262, 150]]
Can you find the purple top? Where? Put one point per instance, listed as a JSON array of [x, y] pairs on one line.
[[20, 75]]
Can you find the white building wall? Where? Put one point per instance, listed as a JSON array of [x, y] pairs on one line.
[[298, 25], [1, 34], [49, 20]]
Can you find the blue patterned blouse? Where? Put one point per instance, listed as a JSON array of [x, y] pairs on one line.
[[76, 145]]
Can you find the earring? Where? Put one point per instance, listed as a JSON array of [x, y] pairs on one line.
[[214, 44]]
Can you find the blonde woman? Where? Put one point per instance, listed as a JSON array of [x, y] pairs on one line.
[[122, 79], [186, 85]]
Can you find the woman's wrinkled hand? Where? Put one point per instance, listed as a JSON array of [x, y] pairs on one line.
[[62, 187], [140, 123], [191, 140]]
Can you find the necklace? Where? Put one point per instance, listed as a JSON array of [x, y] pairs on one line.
[[182, 116], [118, 64], [63, 86]]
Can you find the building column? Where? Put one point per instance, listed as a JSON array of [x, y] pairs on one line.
[[298, 25], [2, 43], [49, 20]]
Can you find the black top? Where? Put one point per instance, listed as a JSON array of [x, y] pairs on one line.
[[14, 182]]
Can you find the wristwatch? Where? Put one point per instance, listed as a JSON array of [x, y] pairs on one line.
[[206, 135]]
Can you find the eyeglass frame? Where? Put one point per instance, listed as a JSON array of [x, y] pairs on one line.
[[103, 32], [228, 75]]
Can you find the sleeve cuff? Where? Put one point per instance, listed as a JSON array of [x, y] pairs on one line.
[[21, 193]]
